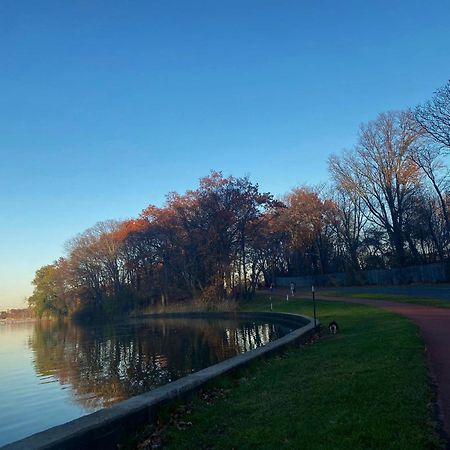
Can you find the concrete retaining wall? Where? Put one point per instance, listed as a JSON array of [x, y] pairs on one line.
[[105, 428]]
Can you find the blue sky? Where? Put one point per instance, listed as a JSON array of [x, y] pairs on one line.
[[106, 106]]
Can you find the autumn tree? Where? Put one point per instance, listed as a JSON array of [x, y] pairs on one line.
[[306, 222], [206, 234], [138, 250]]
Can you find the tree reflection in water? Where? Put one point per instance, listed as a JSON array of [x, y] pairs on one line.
[[106, 363]]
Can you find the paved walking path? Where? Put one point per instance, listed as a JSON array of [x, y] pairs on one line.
[[434, 324], [435, 291]]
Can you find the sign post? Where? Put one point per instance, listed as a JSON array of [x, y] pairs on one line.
[[314, 306]]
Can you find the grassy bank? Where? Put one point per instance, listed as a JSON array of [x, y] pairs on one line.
[[364, 388], [417, 300], [196, 305]]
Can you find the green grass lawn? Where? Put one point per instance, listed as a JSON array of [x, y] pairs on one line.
[[392, 298], [365, 388]]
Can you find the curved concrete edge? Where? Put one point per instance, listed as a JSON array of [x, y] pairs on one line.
[[105, 428]]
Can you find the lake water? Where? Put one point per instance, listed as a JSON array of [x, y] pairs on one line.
[[51, 373]]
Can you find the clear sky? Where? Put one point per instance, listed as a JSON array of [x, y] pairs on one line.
[[105, 106]]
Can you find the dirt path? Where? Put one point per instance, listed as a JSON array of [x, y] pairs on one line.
[[435, 327]]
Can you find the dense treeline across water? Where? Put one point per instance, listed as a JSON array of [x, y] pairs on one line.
[[386, 206]]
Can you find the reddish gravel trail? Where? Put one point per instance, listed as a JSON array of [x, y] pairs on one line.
[[435, 327]]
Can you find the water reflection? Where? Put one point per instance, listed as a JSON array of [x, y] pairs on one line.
[[107, 363]]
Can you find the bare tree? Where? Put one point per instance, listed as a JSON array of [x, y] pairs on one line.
[[349, 221], [427, 158], [380, 171], [434, 116]]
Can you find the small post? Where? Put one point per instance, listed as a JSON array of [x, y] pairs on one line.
[[271, 307], [287, 297], [314, 306]]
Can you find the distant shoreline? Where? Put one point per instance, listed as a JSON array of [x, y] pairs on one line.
[[10, 319]]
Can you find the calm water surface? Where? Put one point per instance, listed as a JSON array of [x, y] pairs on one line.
[[51, 373]]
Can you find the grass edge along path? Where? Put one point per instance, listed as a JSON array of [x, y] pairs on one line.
[[365, 388], [398, 298]]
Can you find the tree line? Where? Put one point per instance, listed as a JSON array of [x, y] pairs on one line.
[[386, 205]]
